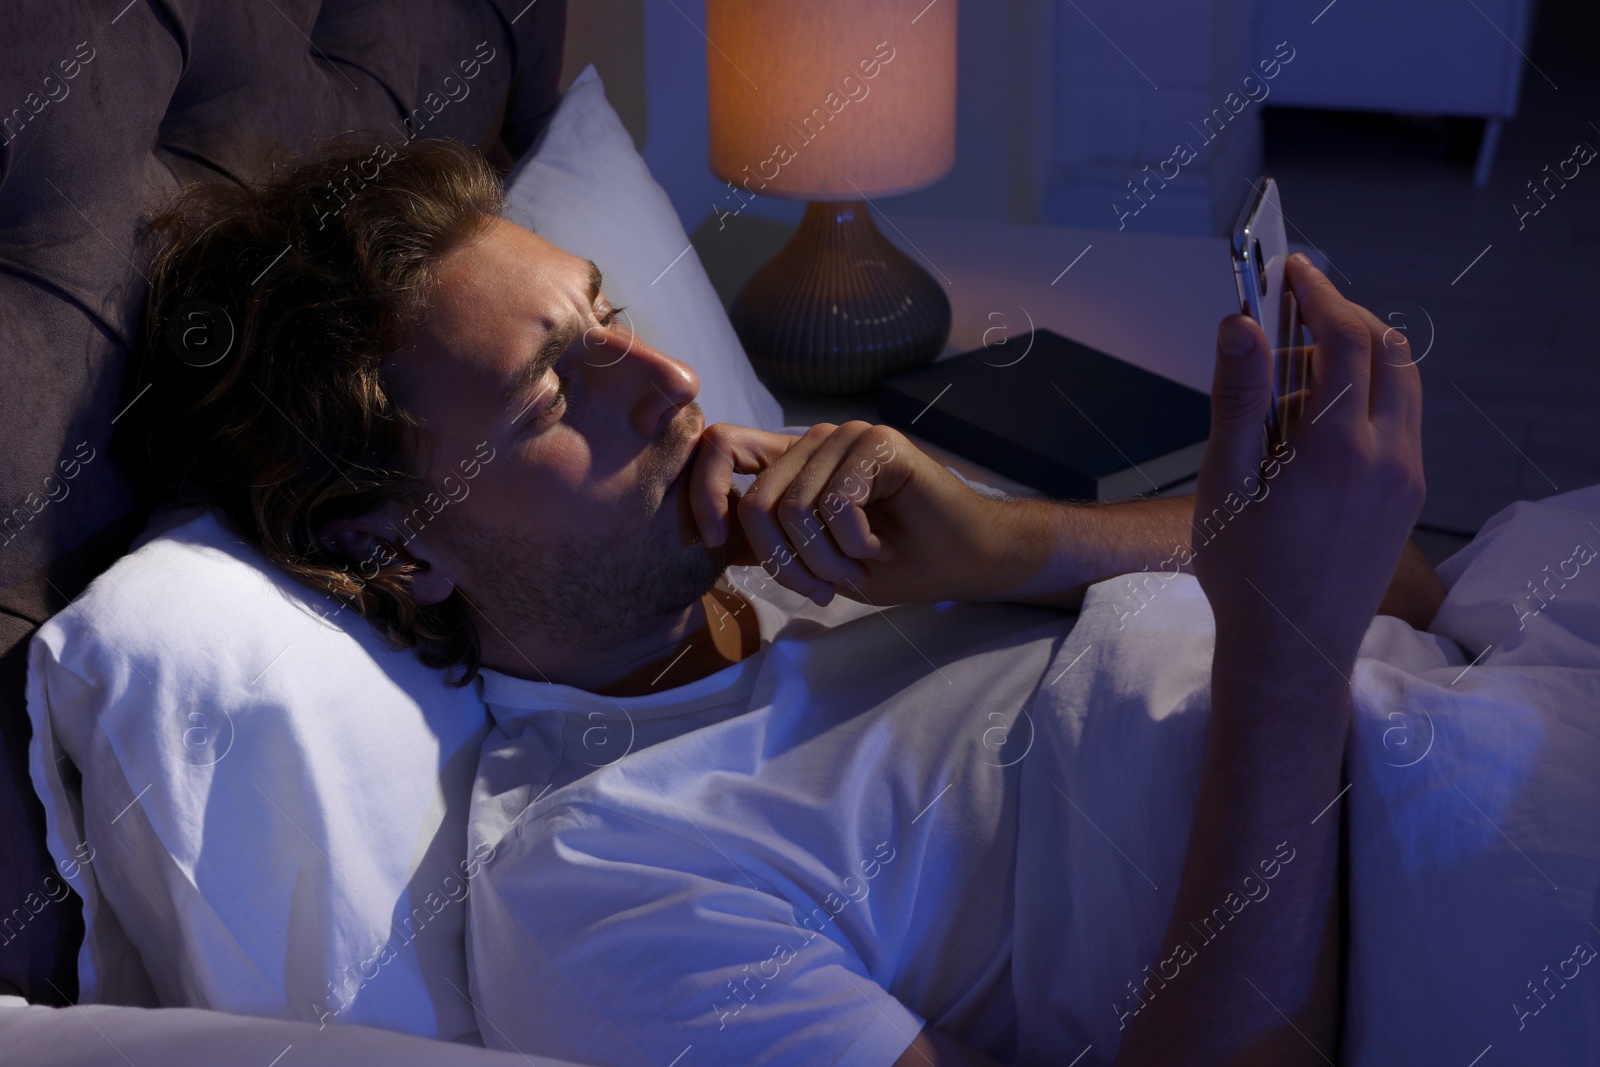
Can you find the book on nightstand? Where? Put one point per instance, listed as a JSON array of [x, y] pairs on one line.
[[1067, 419]]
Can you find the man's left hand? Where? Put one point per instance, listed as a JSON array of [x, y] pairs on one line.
[[855, 509]]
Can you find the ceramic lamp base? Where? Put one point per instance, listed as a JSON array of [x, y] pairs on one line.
[[839, 307]]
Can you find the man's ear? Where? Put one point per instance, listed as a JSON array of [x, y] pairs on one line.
[[372, 543]]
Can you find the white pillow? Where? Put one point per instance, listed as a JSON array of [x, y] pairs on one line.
[[267, 797], [585, 189], [273, 804]]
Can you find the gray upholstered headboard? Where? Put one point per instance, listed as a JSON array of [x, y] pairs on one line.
[[106, 108]]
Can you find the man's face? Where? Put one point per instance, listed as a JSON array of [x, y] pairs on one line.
[[578, 528]]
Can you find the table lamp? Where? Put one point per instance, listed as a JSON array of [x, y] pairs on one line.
[[835, 102]]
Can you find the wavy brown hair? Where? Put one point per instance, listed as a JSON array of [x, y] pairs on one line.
[[315, 273]]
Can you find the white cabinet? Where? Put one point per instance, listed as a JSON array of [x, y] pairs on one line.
[[1442, 57]]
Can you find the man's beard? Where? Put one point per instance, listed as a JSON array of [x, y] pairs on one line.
[[601, 588]]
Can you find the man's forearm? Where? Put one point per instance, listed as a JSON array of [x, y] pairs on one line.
[[1050, 552], [1247, 972]]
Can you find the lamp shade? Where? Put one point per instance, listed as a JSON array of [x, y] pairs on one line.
[[831, 99]]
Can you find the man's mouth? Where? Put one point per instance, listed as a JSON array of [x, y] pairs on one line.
[[675, 493], [681, 479]]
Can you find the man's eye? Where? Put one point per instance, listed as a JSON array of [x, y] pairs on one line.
[[610, 317]]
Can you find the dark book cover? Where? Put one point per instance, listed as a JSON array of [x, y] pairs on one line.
[[1067, 419]]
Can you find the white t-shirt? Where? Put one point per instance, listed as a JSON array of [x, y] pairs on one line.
[[799, 859]]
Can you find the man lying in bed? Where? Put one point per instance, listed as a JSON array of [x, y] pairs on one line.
[[726, 817]]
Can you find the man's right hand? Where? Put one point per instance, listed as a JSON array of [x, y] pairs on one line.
[[1318, 548]]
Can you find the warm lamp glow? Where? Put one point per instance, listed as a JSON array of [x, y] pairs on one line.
[[831, 99]]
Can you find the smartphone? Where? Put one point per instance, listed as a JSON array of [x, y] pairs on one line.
[[1260, 248]]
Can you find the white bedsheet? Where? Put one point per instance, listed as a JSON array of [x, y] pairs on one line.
[[100, 1035]]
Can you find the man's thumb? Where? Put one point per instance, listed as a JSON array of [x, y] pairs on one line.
[[1241, 396]]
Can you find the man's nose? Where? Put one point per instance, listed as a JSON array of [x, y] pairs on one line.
[[653, 385]]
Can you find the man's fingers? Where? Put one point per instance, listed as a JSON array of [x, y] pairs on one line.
[[851, 529], [803, 556], [853, 470], [756, 508], [805, 516], [757, 512], [726, 450], [1396, 391], [1290, 406], [1241, 396], [869, 474], [1341, 363]]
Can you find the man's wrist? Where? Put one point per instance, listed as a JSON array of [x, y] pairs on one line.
[[1021, 536], [1268, 639], [1049, 551], [1276, 680]]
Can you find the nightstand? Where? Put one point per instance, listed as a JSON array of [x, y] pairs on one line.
[[1153, 300]]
